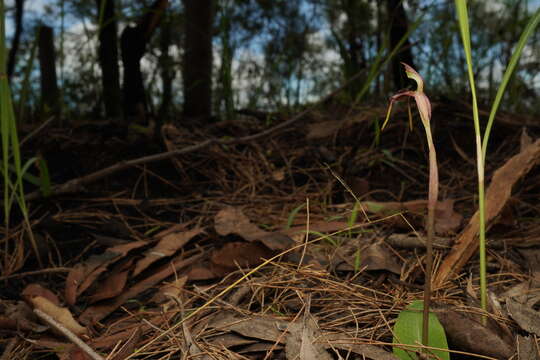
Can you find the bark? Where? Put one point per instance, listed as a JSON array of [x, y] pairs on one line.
[[197, 72], [19, 11], [133, 43], [108, 58], [398, 28], [50, 95], [167, 73]]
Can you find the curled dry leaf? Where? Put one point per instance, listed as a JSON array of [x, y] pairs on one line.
[[304, 341], [373, 257], [84, 274], [60, 314], [17, 316], [526, 317], [166, 247], [232, 220], [497, 195], [33, 290], [464, 333]]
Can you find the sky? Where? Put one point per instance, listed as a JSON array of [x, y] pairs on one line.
[[35, 10]]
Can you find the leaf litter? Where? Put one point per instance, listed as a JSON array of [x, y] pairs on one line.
[[228, 270]]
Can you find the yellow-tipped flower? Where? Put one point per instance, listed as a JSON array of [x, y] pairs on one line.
[[422, 101]]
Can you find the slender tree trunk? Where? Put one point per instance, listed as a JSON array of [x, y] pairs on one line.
[[19, 11], [133, 43], [225, 100], [356, 61], [50, 95], [398, 28], [197, 73], [108, 57], [167, 73]]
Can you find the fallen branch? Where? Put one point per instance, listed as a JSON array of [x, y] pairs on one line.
[[77, 185], [68, 334]]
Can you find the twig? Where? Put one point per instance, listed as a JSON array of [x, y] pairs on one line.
[[36, 272], [77, 184], [69, 334], [36, 131]]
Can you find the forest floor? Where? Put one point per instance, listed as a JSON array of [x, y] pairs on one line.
[[305, 243]]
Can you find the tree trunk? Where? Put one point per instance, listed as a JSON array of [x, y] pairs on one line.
[[398, 28], [50, 95], [167, 73], [133, 43], [108, 57], [19, 11], [197, 67]]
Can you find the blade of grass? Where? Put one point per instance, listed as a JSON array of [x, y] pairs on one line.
[[10, 146], [529, 30], [463, 18]]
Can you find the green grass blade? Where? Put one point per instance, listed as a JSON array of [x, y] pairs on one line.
[[292, 215], [529, 30], [463, 18], [45, 179]]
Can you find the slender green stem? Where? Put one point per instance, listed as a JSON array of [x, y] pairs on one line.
[[461, 6]]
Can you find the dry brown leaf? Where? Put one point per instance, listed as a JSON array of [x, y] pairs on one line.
[[259, 347], [84, 274], [113, 284], [345, 341], [497, 195], [527, 318], [464, 333], [258, 327], [232, 220], [526, 348], [17, 315], [166, 247], [304, 341], [72, 353], [205, 271], [169, 290], [230, 340], [320, 226], [524, 140], [240, 254], [446, 219], [60, 314], [33, 290], [100, 311], [373, 257], [323, 129]]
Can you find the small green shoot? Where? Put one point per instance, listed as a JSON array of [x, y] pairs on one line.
[[408, 331], [11, 154], [357, 261], [292, 215], [351, 221], [44, 177], [328, 238]]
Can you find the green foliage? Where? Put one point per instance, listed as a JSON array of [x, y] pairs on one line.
[[408, 331], [292, 215], [11, 155], [481, 144]]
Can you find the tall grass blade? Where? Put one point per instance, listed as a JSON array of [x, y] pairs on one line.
[[529, 30]]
